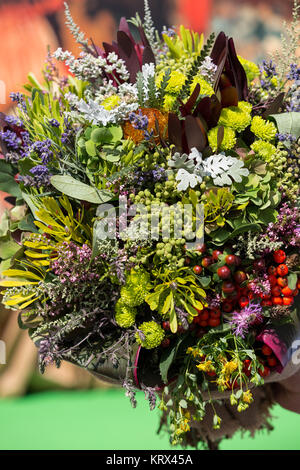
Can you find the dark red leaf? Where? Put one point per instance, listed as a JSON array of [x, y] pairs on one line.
[[229, 97], [143, 36], [186, 108], [273, 106], [220, 136], [110, 48], [124, 26], [240, 77], [210, 109], [195, 133], [128, 54], [175, 130], [148, 56]]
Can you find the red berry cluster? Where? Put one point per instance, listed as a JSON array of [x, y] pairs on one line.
[[269, 361], [281, 294], [208, 317]]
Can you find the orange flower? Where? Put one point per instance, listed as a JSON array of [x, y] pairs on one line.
[[153, 115]]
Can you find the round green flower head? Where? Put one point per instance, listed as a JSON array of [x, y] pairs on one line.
[[251, 69], [133, 295], [235, 118], [138, 278], [228, 141], [205, 88], [264, 130], [245, 106], [154, 334], [265, 150], [124, 316], [175, 83]]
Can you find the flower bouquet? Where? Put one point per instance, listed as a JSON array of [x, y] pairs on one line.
[[155, 230]]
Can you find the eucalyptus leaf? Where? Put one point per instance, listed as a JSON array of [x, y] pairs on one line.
[[288, 123], [73, 188]]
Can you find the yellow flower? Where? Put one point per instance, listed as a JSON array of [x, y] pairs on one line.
[[111, 102], [175, 83], [169, 102], [184, 426], [195, 352], [247, 397], [206, 366], [205, 88], [228, 368]]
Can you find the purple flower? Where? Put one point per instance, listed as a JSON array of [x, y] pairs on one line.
[[43, 149], [286, 228], [294, 73], [139, 121], [54, 123], [41, 177], [68, 132], [285, 137], [13, 121], [243, 320], [19, 98], [12, 141], [268, 71]]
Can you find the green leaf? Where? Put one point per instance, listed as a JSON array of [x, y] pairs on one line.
[[205, 281], [166, 360], [74, 188], [173, 318], [167, 303], [91, 148], [9, 185], [267, 216], [6, 167], [153, 299], [101, 135], [8, 249], [116, 132], [183, 403], [288, 123], [30, 201], [292, 280]]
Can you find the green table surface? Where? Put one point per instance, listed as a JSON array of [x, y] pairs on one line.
[[104, 420]]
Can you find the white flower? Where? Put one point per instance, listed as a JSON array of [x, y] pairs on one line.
[[148, 70]]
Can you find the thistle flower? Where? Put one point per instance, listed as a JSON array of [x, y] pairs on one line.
[[241, 321]]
